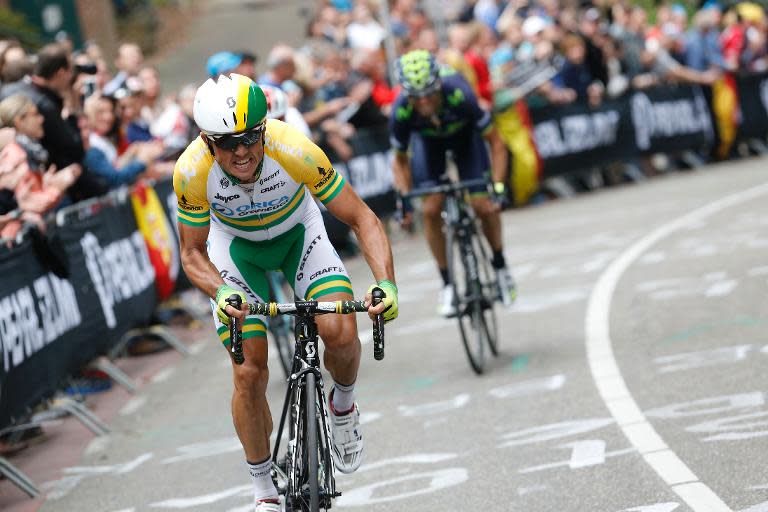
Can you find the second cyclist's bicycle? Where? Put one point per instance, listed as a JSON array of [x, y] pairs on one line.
[[469, 270]]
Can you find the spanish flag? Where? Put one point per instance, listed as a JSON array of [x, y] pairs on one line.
[[516, 130], [725, 106]]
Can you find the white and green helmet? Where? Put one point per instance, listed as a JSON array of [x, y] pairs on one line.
[[230, 104]]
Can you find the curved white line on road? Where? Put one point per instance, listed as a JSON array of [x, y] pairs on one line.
[[608, 378]]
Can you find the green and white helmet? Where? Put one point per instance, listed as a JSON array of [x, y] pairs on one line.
[[418, 73], [231, 104]]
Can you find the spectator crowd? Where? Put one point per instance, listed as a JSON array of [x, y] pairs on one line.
[[73, 125]]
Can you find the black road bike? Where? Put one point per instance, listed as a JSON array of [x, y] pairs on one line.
[[470, 272], [305, 476]]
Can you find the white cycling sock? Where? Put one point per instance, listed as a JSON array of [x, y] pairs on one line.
[[343, 397], [263, 486]]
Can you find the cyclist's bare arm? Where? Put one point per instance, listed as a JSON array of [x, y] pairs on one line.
[[197, 265], [351, 210], [499, 156], [401, 167]]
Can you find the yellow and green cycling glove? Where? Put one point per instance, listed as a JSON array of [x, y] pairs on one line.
[[223, 292], [390, 298]]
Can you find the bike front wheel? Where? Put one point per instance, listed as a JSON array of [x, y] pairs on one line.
[[312, 447], [463, 270]]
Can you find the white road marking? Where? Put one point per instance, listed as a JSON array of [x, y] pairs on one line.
[[369, 417], [552, 431], [531, 303], [658, 507], [691, 360], [414, 458], [205, 449], [438, 479], [569, 463], [760, 507], [205, 499], [452, 404], [529, 387], [97, 445], [423, 326], [164, 374], [734, 428], [605, 369], [62, 487], [133, 405], [706, 406], [721, 288], [117, 469]]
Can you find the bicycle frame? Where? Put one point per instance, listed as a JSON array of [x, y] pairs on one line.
[[305, 361]]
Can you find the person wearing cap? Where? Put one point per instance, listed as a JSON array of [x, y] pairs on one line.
[[245, 190]]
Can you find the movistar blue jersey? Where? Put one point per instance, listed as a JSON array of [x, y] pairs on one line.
[[459, 111]]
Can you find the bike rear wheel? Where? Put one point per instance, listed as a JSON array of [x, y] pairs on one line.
[[463, 271], [490, 291]]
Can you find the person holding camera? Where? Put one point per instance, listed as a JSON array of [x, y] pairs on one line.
[[49, 86]]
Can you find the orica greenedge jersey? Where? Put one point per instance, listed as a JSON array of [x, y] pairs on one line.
[[294, 170]]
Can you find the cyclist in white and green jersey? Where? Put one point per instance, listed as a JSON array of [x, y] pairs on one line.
[[245, 192]]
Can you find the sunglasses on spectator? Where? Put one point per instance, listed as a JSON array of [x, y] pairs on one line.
[[230, 141]]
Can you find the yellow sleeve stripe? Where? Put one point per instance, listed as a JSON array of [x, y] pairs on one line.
[[193, 219], [333, 188]]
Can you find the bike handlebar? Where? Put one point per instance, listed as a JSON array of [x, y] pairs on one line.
[[308, 308], [446, 188]]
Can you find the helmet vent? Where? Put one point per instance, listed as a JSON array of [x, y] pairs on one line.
[[225, 122], [234, 116]]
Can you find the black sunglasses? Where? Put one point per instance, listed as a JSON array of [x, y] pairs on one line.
[[230, 141]]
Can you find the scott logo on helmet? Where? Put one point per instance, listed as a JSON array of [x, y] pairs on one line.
[[231, 102]]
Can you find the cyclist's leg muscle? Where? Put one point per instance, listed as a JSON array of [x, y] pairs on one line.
[[490, 218], [250, 411], [432, 207]]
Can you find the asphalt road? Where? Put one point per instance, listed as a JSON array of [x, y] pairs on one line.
[[631, 376]]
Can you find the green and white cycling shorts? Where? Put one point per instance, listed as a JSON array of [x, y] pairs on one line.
[[304, 254]]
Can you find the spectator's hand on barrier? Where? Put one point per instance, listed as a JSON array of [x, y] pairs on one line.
[[36, 201], [64, 178], [224, 310], [34, 218], [711, 76], [388, 306], [595, 93], [148, 152]]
